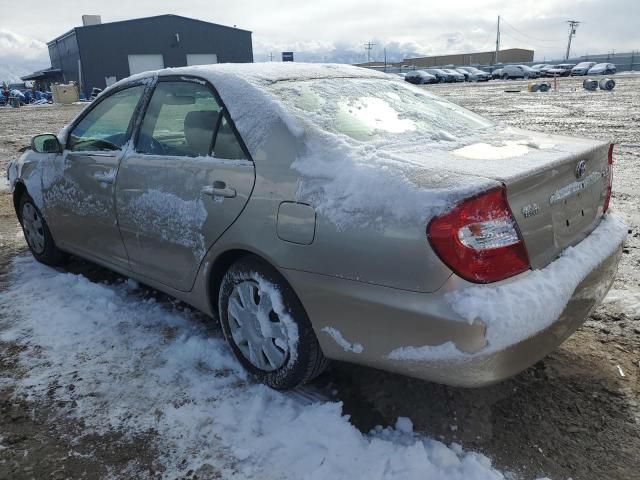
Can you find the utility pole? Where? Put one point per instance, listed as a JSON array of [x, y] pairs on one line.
[[573, 24], [385, 60], [271, 57], [497, 40], [368, 46]]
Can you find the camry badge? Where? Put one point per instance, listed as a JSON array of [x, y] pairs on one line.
[[530, 210], [581, 168]]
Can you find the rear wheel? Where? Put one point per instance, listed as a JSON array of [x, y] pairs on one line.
[[37, 233], [267, 327]]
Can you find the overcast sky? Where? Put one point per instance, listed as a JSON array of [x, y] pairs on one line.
[[336, 30]]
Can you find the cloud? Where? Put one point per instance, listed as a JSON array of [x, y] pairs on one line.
[[20, 55]]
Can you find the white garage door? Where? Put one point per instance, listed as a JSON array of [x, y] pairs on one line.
[[144, 63], [201, 58]]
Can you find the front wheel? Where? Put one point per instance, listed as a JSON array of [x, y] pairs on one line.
[[37, 233], [267, 327]]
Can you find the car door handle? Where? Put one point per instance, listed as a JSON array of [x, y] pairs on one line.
[[219, 189]]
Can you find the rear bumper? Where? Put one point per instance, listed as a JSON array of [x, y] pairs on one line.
[[372, 322]]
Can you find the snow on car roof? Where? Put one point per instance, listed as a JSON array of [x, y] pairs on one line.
[[240, 86]]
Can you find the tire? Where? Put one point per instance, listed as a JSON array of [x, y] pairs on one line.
[[277, 358], [505, 77], [37, 234]]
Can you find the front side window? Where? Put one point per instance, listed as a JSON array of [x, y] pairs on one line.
[[106, 127], [180, 120]]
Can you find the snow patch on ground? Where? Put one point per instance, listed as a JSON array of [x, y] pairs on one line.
[[144, 367], [346, 345], [627, 301], [520, 308]]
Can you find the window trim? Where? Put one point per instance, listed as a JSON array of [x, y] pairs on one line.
[[134, 116], [223, 110]]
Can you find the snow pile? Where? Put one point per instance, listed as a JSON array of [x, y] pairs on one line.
[[144, 367], [517, 309]]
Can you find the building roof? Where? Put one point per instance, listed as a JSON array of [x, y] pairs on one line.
[[74, 29], [46, 73]]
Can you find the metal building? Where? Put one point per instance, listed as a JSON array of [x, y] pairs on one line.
[[98, 54]]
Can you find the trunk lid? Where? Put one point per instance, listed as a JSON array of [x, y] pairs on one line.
[[556, 187]]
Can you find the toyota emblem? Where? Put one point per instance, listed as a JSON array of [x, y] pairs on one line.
[[581, 167]]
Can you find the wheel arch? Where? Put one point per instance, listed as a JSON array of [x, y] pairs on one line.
[[18, 191]]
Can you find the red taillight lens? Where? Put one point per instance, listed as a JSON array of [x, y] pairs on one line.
[[607, 196], [479, 239]]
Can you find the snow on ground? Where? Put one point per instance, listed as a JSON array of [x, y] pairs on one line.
[[626, 300], [146, 367]]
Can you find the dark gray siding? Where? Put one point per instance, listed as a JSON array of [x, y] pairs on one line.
[[104, 49], [64, 54]]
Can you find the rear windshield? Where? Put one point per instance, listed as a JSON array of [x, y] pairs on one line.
[[370, 109]]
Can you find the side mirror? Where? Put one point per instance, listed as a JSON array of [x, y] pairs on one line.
[[46, 143]]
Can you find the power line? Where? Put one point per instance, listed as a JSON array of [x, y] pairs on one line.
[[530, 36]]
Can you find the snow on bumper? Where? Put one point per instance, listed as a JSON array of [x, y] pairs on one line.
[[531, 314]]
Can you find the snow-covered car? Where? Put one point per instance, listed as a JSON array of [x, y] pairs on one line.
[[440, 74], [331, 212], [560, 70], [603, 69], [511, 72], [540, 67], [420, 77], [476, 75], [464, 73], [454, 75], [582, 68]]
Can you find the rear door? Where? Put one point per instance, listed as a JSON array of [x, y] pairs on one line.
[[79, 198], [185, 182]]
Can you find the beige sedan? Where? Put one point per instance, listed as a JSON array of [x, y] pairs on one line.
[[330, 212]]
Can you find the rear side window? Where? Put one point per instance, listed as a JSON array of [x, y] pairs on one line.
[[227, 145], [107, 125], [180, 120]]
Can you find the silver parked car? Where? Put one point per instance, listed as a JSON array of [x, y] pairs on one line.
[[475, 74], [330, 212], [582, 68], [510, 72], [603, 69]]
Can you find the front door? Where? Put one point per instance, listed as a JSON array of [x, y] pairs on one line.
[[183, 185], [79, 189]]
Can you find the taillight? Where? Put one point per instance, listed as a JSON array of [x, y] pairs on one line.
[[479, 239], [607, 196]]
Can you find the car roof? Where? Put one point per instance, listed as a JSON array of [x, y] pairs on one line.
[[242, 87]]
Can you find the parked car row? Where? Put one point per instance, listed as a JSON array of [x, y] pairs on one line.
[[571, 69], [507, 72], [445, 75]]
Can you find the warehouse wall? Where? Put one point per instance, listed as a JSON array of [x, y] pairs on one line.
[[64, 54], [512, 55]]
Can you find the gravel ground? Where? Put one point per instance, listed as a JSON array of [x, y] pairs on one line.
[[572, 415]]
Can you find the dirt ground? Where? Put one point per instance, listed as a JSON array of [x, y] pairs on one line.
[[572, 415]]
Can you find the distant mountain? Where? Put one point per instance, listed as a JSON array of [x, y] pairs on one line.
[[12, 73]]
